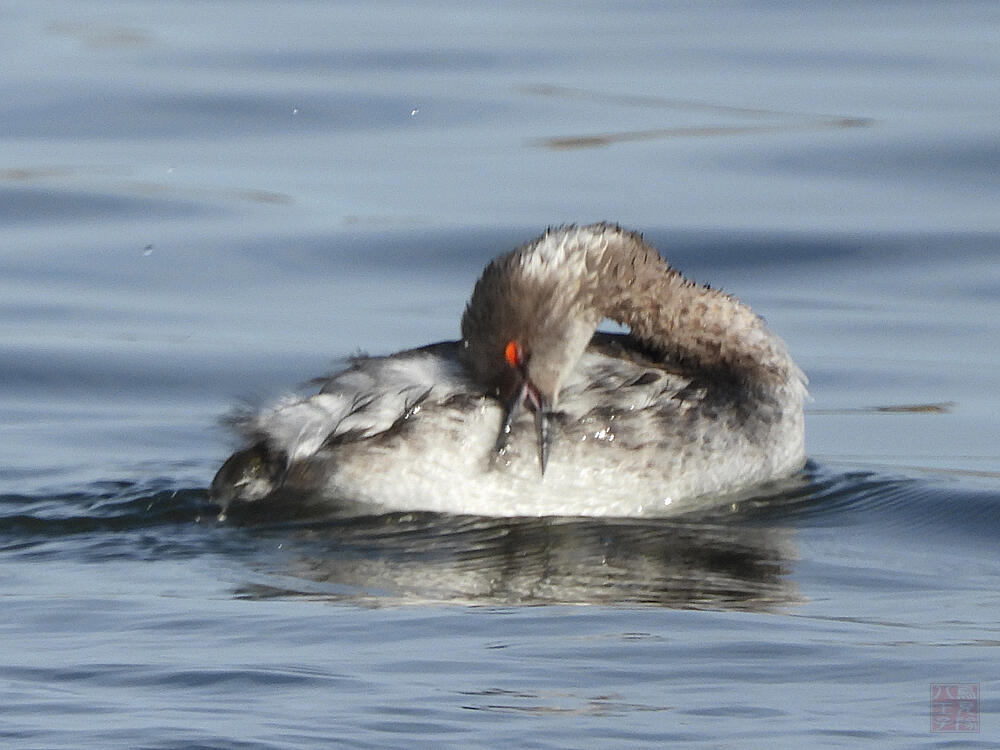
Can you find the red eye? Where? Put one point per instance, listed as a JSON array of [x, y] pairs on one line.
[[512, 353]]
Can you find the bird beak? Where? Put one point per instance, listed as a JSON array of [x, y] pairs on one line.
[[541, 406], [542, 412]]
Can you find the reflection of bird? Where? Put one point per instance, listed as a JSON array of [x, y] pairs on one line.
[[719, 561], [699, 399]]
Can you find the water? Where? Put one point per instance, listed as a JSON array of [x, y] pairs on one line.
[[202, 204]]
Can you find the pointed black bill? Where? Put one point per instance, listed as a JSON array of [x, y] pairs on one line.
[[542, 413], [527, 393]]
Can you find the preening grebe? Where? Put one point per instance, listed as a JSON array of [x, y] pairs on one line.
[[533, 413]]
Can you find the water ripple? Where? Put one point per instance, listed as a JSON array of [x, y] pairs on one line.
[[736, 557]]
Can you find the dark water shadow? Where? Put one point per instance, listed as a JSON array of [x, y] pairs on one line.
[[741, 120], [597, 140], [27, 206], [107, 520]]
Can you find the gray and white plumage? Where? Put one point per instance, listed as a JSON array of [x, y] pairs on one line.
[[699, 400]]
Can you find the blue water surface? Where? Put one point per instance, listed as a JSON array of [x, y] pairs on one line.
[[204, 204]]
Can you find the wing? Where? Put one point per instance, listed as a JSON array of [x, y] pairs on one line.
[[366, 399]]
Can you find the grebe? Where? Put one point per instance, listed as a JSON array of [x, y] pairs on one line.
[[535, 413]]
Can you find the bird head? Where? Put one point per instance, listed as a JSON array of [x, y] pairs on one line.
[[528, 321]]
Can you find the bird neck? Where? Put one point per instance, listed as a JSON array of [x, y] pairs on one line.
[[702, 328]]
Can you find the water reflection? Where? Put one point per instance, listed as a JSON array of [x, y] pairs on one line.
[[722, 562]]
